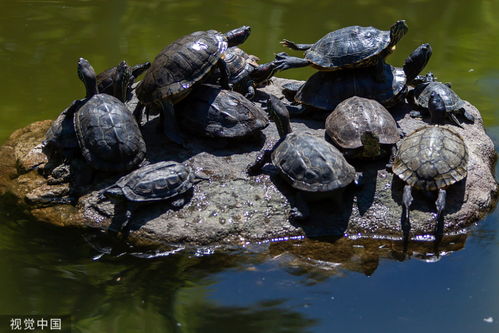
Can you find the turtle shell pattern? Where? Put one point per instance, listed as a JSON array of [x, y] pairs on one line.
[[355, 116], [423, 91], [219, 113], [431, 158], [325, 90], [108, 135], [239, 63], [348, 47], [158, 181], [311, 164], [180, 65]]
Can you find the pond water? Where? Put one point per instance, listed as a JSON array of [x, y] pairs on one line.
[[46, 270]]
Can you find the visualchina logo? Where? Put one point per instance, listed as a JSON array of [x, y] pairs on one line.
[[35, 323]]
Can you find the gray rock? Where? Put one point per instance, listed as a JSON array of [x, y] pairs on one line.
[[235, 209]]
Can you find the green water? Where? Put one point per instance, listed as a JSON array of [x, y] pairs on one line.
[[45, 270]]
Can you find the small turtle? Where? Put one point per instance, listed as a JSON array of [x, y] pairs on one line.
[[105, 80], [163, 181], [325, 90], [108, 135], [244, 71], [454, 105], [214, 112], [350, 47], [179, 66], [431, 158], [362, 128], [308, 163]]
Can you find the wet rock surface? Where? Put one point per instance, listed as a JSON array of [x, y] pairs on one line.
[[232, 208]]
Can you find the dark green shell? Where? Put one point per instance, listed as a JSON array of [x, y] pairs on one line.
[[355, 116], [431, 158], [158, 181], [325, 90], [311, 164], [108, 135], [218, 113], [349, 47], [180, 65], [61, 136], [423, 91]]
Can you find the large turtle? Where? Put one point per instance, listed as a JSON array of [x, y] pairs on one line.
[[244, 71], [454, 105], [431, 159], [105, 79], [163, 181], [350, 47], [325, 90], [214, 112], [362, 128], [179, 66], [108, 135], [308, 163]]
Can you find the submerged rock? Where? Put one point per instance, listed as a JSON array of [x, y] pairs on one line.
[[235, 209]]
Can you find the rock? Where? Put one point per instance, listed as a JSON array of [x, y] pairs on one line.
[[235, 209]]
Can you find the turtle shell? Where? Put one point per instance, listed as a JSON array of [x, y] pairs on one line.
[[158, 181], [180, 65], [311, 164], [423, 91], [61, 136], [239, 63], [218, 113], [355, 116], [431, 158], [348, 47], [108, 135], [325, 90]]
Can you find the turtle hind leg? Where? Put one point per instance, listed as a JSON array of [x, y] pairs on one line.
[[294, 46], [407, 200], [283, 62], [168, 122], [299, 208]]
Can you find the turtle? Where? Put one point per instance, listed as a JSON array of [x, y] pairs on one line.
[[105, 79], [308, 163], [349, 47], [362, 128], [167, 181], [244, 71], [179, 66], [108, 135], [214, 112], [60, 139], [324, 90], [432, 158], [454, 105]]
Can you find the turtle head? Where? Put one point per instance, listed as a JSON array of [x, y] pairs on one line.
[[436, 107], [371, 147], [397, 31], [280, 115], [122, 78], [417, 61], [238, 36], [86, 73]]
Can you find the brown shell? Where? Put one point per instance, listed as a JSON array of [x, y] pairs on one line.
[[430, 158], [180, 65], [355, 116]]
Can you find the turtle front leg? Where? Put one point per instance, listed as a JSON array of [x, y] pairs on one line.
[[224, 74], [299, 209], [294, 46], [137, 113], [262, 158], [379, 73], [168, 122], [284, 61]]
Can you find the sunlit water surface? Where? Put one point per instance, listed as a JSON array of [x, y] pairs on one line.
[[45, 270]]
